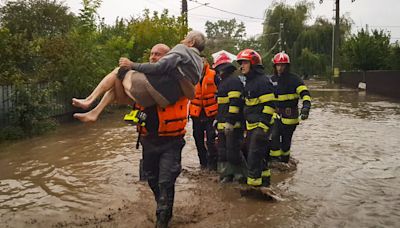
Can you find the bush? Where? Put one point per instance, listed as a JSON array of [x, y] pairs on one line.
[[33, 108], [11, 133]]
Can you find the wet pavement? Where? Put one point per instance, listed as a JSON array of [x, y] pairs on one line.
[[87, 174]]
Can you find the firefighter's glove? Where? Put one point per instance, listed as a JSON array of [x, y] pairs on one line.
[[136, 117], [228, 128], [304, 113]]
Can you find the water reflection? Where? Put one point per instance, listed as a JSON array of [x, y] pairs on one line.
[[69, 169]]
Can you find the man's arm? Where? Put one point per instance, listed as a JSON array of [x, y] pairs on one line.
[[304, 94], [164, 65]]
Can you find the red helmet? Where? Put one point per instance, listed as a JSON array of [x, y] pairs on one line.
[[281, 57], [250, 55], [220, 59]]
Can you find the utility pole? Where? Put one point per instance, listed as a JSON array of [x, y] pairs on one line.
[[332, 48], [336, 39], [336, 36], [280, 37], [184, 14]]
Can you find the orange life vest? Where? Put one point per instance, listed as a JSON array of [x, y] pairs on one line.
[[172, 119], [205, 96]]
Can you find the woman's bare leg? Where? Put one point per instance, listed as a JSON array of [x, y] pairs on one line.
[[106, 84], [92, 115]]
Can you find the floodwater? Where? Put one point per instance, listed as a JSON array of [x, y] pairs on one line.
[[87, 174]]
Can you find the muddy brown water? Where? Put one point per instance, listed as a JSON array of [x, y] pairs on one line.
[[87, 175]]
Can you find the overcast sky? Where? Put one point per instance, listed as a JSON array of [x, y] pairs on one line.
[[382, 14]]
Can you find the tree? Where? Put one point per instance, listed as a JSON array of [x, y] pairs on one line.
[[225, 35], [148, 30], [304, 43], [25, 26], [367, 51], [309, 63], [41, 42], [252, 43], [293, 21], [36, 18], [88, 14], [394, 59], [317, 39]]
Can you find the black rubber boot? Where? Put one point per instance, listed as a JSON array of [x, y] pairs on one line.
[[163, 211], [266, 181], [226, 179], [240, 172], [212, 163], [161, 224], [285, 158]]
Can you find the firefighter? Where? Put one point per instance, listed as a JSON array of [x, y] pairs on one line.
[[202, 110], [156, 53], [162, 139], [231, 164], [258, 112], [289, 88]]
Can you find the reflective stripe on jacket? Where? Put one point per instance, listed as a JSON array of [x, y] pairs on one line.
[[289, 89], [259, 100], [205, 97], [230, 102]]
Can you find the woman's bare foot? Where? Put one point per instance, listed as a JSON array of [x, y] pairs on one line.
[[81, 103], [86, 117]]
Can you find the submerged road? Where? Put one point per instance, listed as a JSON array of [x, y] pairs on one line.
[[87, 175]]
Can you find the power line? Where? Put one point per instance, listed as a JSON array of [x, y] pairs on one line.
[[380, 26], [173, 9], [225, 11], [197, 6], [221, 18]]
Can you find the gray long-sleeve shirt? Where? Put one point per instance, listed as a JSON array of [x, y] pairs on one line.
[[180, 62], [164, 75]]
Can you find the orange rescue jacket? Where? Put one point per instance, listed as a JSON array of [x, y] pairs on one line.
[[205, 95], [172, 119]]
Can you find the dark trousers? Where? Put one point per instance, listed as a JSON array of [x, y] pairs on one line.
[[162, 165], [229, 146], [207, 151], [257, 157], [282, 136]]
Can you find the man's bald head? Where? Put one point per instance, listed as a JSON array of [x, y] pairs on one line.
[[157, 52]]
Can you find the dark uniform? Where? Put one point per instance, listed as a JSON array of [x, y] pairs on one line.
[[258, 112], [162, 143], [230, 110], [288, 89]]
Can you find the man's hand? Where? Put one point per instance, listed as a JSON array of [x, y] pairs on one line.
[[125, 63], [304, 113]]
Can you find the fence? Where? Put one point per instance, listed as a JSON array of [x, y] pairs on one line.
[[383, 82], [6, 105], [60, 108]]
